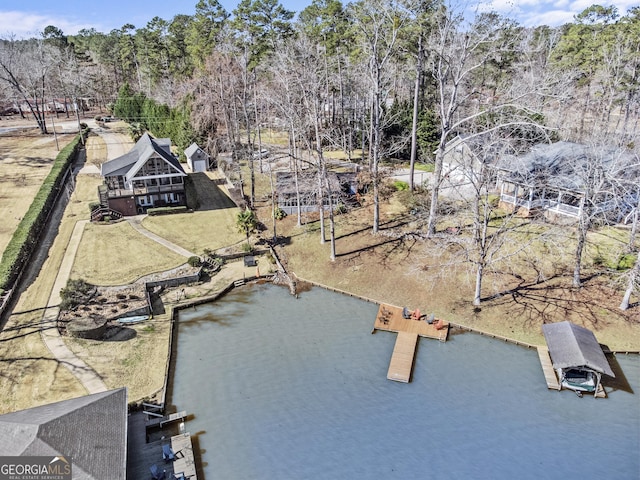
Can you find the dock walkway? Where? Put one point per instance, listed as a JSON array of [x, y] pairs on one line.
[[547, 368], [402, 357], [390, 318], [162, 421], [185, 462]]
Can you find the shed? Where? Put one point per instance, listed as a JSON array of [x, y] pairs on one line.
[[576, 355], [197, 158]]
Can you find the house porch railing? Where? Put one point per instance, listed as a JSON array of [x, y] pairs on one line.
[[544, 204], [125, 192]]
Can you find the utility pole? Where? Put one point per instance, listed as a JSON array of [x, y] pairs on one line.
[[77, 106], [53, 125]]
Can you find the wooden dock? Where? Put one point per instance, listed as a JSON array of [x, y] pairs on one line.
[[185, 462], [402, 357], [547, 368], [390, 319], [157, 421]]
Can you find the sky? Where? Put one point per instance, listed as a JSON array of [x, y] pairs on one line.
[[27, 18]]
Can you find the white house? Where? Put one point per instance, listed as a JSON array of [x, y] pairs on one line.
[[552, 179]]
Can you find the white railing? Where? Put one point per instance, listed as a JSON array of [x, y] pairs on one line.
[[127, 192]]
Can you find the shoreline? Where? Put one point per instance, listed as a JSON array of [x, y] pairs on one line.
[[195, 301]]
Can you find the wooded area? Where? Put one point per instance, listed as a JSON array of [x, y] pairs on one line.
[[386, 82]]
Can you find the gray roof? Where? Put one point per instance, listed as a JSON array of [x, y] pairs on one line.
[[558, 164], [91, 430], [193, 149], [129, 163], [308, 181], [573, 346]]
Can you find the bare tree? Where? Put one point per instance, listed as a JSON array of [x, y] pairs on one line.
[[379, 23], [460, 59], [25, 66], [597, 172], [489, 237], [633, 283]]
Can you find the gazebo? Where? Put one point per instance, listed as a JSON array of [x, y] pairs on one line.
[[576, 356]]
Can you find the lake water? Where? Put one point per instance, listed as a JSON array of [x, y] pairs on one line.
[[297, 389]]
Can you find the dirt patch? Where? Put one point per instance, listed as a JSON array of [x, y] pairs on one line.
[[108, 303], [112, 302]]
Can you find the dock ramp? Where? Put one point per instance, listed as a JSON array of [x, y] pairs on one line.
[[402, 357]]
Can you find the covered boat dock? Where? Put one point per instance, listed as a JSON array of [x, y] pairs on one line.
[[575, 353]]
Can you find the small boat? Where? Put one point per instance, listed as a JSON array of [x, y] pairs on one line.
[[578, 380], [134, 319]]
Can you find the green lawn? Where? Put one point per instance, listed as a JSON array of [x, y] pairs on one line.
[[117, 254], [197, 231]]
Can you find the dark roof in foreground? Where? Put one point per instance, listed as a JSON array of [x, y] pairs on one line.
[[91, 430], [573, 346]]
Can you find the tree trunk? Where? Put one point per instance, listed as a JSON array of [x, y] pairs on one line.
[[633, 277], [323, 237], [375, 150], [435, 188], [634, 229], [294, 151], [582, 240], [414, 124], [332, 225], [478, 290]]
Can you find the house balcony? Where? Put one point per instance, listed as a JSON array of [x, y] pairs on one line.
[[148, 190]]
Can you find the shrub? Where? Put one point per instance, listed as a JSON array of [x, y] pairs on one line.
[[400, 185], [75, 293], [247, 247], [626, 261], [166, 210], [279, 213], [194, 261]]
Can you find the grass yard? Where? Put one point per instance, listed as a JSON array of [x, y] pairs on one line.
[[117, 254], [197, 231], [29, 375], [212, 227], [25, 160], [134, 358]]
